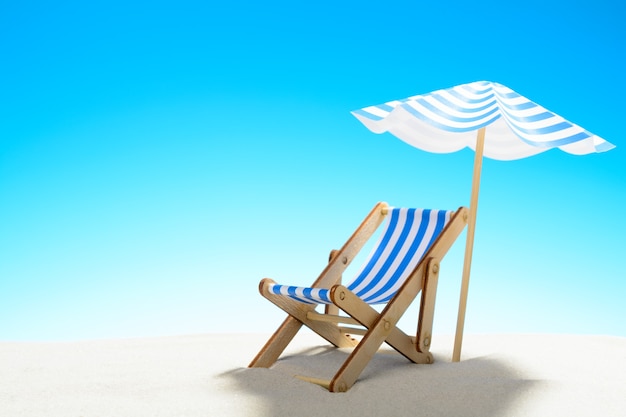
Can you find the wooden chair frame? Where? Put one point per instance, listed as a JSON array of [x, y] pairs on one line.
[[378, 327]]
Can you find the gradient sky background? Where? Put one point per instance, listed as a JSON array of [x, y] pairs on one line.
[[157, 159]]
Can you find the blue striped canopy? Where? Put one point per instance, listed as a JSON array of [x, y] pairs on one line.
[[407, 235], [446, 120]]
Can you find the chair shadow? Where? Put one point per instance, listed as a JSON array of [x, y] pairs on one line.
[[389, 385]]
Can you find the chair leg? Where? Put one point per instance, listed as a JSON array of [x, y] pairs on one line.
[[276, 344], [427, 307], [358, 359]]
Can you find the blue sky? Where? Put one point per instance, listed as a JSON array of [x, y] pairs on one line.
[[157, 159]]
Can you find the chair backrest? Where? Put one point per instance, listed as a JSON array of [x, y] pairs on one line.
[[407, 235]]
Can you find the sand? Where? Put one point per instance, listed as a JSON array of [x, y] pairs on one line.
[[206, 375]]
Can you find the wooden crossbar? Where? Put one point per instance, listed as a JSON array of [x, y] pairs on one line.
[[353, 330], [330, 318]]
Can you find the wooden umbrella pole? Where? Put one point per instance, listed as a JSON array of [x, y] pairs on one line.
[[469, 245]]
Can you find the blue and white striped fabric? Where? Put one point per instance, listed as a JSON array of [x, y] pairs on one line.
[[407, 235], [446, 120]]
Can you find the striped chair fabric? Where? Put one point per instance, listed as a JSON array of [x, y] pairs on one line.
[[407, 235]]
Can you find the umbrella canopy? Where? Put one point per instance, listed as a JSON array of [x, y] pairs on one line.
[[446, 121], [489, 118]]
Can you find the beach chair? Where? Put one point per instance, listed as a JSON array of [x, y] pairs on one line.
[[404, 262]]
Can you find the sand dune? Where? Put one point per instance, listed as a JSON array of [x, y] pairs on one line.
[[500, 375]]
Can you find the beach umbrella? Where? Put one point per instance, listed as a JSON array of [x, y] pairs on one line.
[[489, 118]]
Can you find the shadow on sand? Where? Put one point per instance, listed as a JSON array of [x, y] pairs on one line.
[[389, 385]]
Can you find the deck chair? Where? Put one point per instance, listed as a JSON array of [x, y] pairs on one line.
[[404, 262]]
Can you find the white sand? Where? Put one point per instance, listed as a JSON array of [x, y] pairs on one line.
[[500, 375]]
